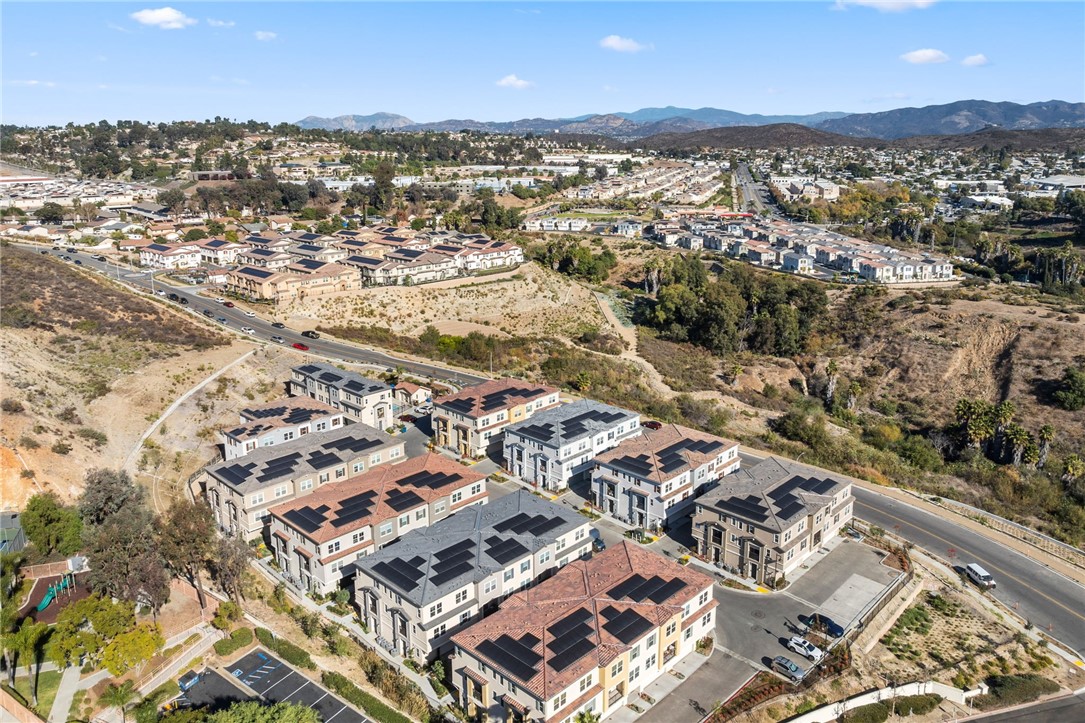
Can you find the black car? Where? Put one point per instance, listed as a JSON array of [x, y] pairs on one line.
[[99, 258], [183, 300], [173, 297], [310, 334], [70, 249], [278, 325], [44, 253], [78, 262], [821, 622]]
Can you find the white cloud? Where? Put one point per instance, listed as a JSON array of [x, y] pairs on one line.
[[886, 6], [118, 28], [974, 61], [164, 18], [511, 81], [265, 35], [220, 23], [32, 83], [622, 45], [609, 89], [925, 56]]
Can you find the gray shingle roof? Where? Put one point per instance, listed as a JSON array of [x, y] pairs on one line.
[[561, 425], [469, 546], [342, 380]]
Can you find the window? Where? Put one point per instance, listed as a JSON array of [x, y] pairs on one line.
[[703, 598], [563, 562], [634, 653], [439, 507], [457, 496], [634, 673], [333, 547], [776, 537], [650, 662], [651, 641], [707, 619], [580, 534], [671, 627], [490, 586], [321, 426], [559, 702], [561, 544], [386, 529], [616, 668], [440, 630], [258, 498], [688, 634], [280, 491], [509, 574], [306, 484], [358, 467], [685, 611], [585, 682], [324, 477], [461, 596], [404, 520], [393, 453], [544, 557], [465, 616], [287, 436], [476, 489], [436, 609], [420, 514], [734, 537], [340, 472], [357, 537], [375, 459], [525, 566]]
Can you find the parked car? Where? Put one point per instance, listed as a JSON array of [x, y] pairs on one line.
[[310, 334], [980, 576], [278, 339], [805, 648], [300, 346], [278, 325], [173, 297], [409, 418], [250, 314], [228, 304], [786, 668], [598, 544], [651, 424], [853, 534], [248, 330], [821, 622]]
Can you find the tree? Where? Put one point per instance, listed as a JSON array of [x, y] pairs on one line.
[[1071, 392], [50, 213], [105, 492], [84, 628], [229, 565], [832, 371], [27, 642], [1018, 439], [1003, 415], [51, 526], [586, 716], [9, 608], [195, 234], [132, 648], [187, 539], [120, 697], [1047, 434], [1073, 468], [173, 198], [252, 711], [125, 561], [854, 389]]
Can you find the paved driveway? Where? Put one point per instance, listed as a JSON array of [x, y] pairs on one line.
[[715, 681], [276, 681], [845, 581]]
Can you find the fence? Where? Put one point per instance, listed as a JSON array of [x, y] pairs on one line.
[[834, 711], [13, 708], [49, 569]]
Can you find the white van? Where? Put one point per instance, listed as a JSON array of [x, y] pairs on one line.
[[980, 576]]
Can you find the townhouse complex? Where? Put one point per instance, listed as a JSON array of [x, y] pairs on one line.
[[438, 580], [590, 638], [471, 421], [651, 479], [316, 539], [560, 444], [363, 399], [276, 422], [766, 520]]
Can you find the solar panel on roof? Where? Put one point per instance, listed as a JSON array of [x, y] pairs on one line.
[[320, 460], [622, 589], [399, 500], [452, 573], [571, 654], [510, 654], [569, 622], [627, 625], [304, 519], [667, 590], [504, 551]]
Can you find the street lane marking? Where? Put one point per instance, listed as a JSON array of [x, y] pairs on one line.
[[993, 566]]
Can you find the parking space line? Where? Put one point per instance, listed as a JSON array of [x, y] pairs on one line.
[[329, 719], [285, 677], [313, 705], [303, 685], [255, 676]]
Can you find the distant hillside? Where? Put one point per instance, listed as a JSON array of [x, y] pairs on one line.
[[1045, 139], [381, 121], [717, 118], [966, 116], [778, 135]]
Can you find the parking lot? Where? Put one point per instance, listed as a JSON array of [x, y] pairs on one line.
[[265, 675]]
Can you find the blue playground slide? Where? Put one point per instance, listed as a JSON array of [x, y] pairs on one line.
[[51, 593]]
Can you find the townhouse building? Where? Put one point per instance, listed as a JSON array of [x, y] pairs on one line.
[[652, 479], [296, 281], [160, 256], [366, 400], [436, 581], [317, 539], [471, 421], [220, 252], [283, 420], [559, 445], [316, 252], [241, 491], [765, 521], [589, 639]]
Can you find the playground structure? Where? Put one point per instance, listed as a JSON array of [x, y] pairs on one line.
[[65, 583]]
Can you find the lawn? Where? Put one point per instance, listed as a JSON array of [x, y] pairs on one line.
[[48, 682]]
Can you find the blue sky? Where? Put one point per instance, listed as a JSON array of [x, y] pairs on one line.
[[502, 61]]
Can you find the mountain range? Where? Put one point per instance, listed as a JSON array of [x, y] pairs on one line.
[[966, 116]]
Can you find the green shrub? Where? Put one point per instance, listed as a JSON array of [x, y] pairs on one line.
[[285, 649], [61, 448], [373, 707], [237, 640], [1013, 689], [872, 713], [917, 704], [11, 406], [92, 435]]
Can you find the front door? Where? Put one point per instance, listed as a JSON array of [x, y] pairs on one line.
[[753, 571]]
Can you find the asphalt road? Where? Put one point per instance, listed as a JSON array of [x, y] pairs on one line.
[[1070, 708], [235, 317], [1052, 602], [751, 190]]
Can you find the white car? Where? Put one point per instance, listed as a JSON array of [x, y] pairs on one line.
[[160, 292], [250, 313], [278, 339], [805, 648], [220, 300], [248, 330]]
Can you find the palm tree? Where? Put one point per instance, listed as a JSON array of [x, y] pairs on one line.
[[1047, 434], [853, 395], [735, 372], [120, 697], [27, 642], [586, 716], [830, 388], [1003, 415], [1075, 467], [1018, 438]]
